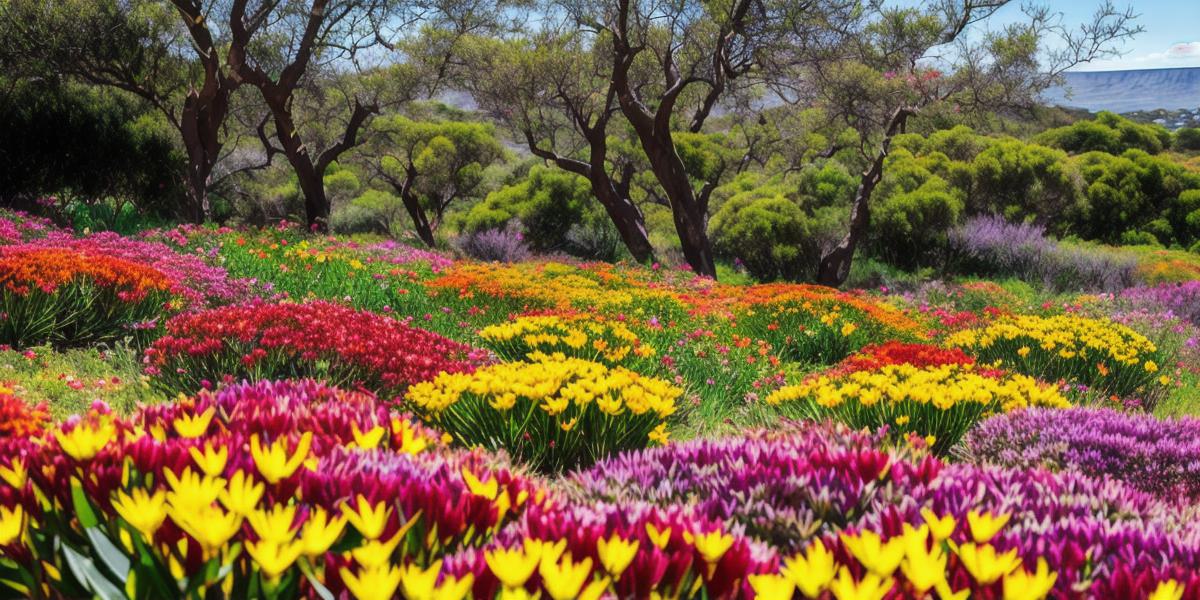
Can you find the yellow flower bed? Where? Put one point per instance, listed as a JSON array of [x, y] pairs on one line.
[[610, 342], [938, 402], [552, 411], [1096, 353]]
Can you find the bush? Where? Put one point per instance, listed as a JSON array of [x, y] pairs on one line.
[[1157, 456], [319, 339], [937, 402], [67, 297], [505, 245], [548, 202], [1103, 357], [1109, 133], [551, 412], [1187, 139]]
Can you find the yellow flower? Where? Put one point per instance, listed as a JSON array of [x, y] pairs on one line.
[[660, 539], [320, 532], [1164, 380], [872, 586], [369, 440], [564, 579], [1023, 351], [595, 589], [813, 571], [512, 566], [772, 587], [616, 553], [924, 567], [902, 420], [1167, 590], [985, 526], [243, 493], [273, 462], [941, 527], [376, 553], [878, 557], [712, 545], [274, 524], [377, 583], [12, 524], [210, 527], [1150, 366], [1023, 585], [488, 490], [84, 442], [211, 461], [15, 474], [985, 565], [368, 520], [660, 435], [143, 511], [273, 557], [193, 426], [418, 583], [191, 491]]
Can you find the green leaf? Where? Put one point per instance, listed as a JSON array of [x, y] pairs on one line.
[[83, 507], [113, 558], [85, 570]]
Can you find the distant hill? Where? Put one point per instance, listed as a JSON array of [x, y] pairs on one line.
[[1127, 91]]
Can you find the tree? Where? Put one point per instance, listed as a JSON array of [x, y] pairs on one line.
[[897, 63], [430, 164], [670, 65], [162, 51], [558, 98]]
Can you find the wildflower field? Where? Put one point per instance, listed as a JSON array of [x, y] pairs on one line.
[[266, 413]]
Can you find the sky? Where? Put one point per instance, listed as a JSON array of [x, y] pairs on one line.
[[1171, 37]]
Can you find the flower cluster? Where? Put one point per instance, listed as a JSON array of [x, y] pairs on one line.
[[65, 297], [18, 418], [1182, 299], [279, 489], [552, 412], [784, 487], [609, 342], [262, 340], [876, 356], [938, 402], [1097, 353], [17, 227], [1158, 456]]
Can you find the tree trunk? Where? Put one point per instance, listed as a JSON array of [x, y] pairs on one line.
[[629, 221], [412, 204], [689, 213], [835, 265], [308, 175], [200, 126]]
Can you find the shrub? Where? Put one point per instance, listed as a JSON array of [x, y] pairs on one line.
[[1157, 456], [989, 245], [937, 402], [261, 340], [251, 490], [505, 245], [1187, 139], [579, 336], [1105, 357], [550, 412], [68, 297], [1109, 133], [547, 203]]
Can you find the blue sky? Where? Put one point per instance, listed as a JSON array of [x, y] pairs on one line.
[[1171, 39]]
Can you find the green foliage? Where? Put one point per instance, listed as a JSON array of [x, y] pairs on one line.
[[1109, 133], [1187, 139], [770, 226], [548, 202], [70, 380], [1021, 181], [914, 209], [86, 145]]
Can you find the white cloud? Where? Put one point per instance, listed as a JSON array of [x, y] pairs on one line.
[[1183, 54]]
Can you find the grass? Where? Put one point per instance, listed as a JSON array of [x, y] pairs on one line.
[[70, 381]]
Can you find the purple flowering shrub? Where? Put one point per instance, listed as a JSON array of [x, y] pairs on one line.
[[1181, 299], [989, 245], [1157, 456], [501, 245]]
